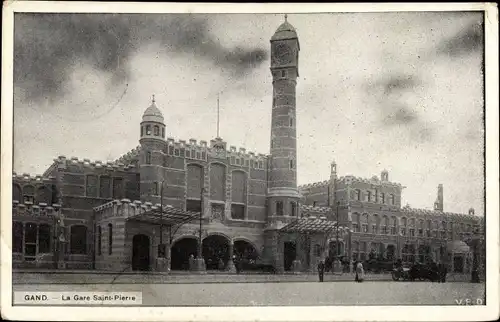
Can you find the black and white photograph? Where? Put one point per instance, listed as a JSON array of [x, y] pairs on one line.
[[196, 158]]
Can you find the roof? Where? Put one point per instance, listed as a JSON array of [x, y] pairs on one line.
[[311, 225], [152, 114], [285, 31], [170, 216], [458, 246]]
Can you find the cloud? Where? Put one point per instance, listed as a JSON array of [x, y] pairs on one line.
[[468, 40], [399, 114], [48, 46]]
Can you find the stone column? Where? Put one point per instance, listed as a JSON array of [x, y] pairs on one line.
[[230, 264]]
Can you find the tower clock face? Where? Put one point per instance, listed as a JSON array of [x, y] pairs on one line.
[[282, 54]]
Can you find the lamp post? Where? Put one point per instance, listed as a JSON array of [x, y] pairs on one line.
[[200, 262], [336, 262], [162, 262]]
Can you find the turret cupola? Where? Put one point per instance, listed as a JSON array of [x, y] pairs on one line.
[[152, 125]]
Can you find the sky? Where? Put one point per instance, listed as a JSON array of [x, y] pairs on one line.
[[397, 91]]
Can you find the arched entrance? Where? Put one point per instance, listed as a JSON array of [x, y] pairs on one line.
[[216, 252], [181, 250], [290, 252], [334, 251], [140, 253], [244, 250]]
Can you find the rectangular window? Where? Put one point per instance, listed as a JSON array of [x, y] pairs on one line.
[[148, 157], [403, 231], [44, 238], [182, 153], [292, 164], [365, 228], [355, 227], [279, 208], [198, 155], [30, 239], [188, 154], [176, 152], [412, 232], [203, 155], [237, 161], [170, 149], [261, 165], [374, 229], [237, 211]]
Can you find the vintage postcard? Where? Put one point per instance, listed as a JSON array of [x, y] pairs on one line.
[[243, 162]]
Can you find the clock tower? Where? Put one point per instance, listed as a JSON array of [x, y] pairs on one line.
[[283, 196]]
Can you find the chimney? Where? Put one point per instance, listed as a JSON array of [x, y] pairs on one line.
[[439, 204]]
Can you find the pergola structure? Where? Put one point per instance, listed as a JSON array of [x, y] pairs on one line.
[[324, 230], [169, 217]]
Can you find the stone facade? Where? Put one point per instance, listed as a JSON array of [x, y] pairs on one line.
[[83, 214]]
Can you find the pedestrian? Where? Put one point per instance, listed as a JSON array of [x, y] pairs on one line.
[[321, 270], [191, 262], [236, 264], [359, 272]]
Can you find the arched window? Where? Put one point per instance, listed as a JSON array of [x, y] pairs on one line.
[[194, 187], [355, 222], [364, 223], [43, 195], [110, 239], [148, 157], [292, 164], [29, 194], [392, 199], [403, 226], [78, 239], [279, 208], [148, 129], [293, 209], [382, 198], [357, 194], [411, 230], [118, 191], [375, 224], [368, 196], [156, 130], [238, 194], [105, 187], [156, 186], [421, 228], [385, 224], [16, 193], [218, 181], [283, 73], [163, 132], [394, 225], [91, 186]]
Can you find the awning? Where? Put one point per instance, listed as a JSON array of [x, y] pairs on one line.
[[170, 216], [308, 225], [458, 246]]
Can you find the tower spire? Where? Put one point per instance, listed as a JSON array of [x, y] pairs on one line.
[[153, 99], [286, 17]]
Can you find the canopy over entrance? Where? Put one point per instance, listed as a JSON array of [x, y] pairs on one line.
[[458, 246], [170, 216], [312, 225]]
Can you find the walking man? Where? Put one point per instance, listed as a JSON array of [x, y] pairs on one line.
[[321, 270]]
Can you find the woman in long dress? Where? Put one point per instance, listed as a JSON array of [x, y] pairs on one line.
[[359, 272]]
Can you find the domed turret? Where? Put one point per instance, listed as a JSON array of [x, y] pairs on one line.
[[152, 125], [284, 31], [152, 114]]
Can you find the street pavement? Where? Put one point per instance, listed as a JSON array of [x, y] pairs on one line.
[[284, 293]]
